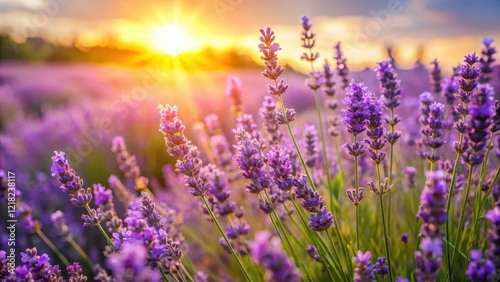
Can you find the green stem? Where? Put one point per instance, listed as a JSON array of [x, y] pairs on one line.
[[102, 231], [482, 202], [163, 274], [356, 186], [313, 238], [323, 143], [221, 231], [344, 249], [81, 252], [386, 238], [278, 226], [462, 213], [450, 196], [52, 247], [186, 272]]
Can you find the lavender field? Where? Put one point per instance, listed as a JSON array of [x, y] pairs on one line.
[[256, 173]]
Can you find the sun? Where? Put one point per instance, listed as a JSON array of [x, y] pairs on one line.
[[173, 39]]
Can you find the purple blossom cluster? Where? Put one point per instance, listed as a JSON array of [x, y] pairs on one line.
[[187, 155], [36, 267], [432, 212], [321, 219], [266, 251]]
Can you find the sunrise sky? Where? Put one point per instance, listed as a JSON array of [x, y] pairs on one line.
[[442, 27]]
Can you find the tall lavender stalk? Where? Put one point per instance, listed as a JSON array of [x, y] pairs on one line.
[[341, 66], [467, 83], [189, 164], [436, 77], [390, 88], [487, 60], [72, 185], [315, 81], [354, 117], [273, 71], [375, 133]]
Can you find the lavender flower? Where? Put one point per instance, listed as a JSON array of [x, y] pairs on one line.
[[281, 168], [308, 41], [434, 131], [251, 162], [212, 125], [487, 60], [37, 268], [312, 251], [321, 221], [432, 211], [282, 119], [428, 259], [329, 85], [450, 87], [391, 90], [495, 126], [187, 155], [233, 90], [268, 113], [247, 123], [404, 238], [125, 160], [479, 269], [267, 252], [467, 82], [380, 267], [432, 208], [130, 264], [273, 71], [409, 176], [478, 128], [71, 184], [149, 212], [60, 224], [75, 273], [311, 142], [389, 85], [357, 101], [363, 270], [341, 68], [315, 80], [493, 252], [436, 77], [104, 199], [375, 130], [5, 267]]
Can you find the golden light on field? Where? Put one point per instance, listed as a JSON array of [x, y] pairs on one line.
[[173, 39]]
